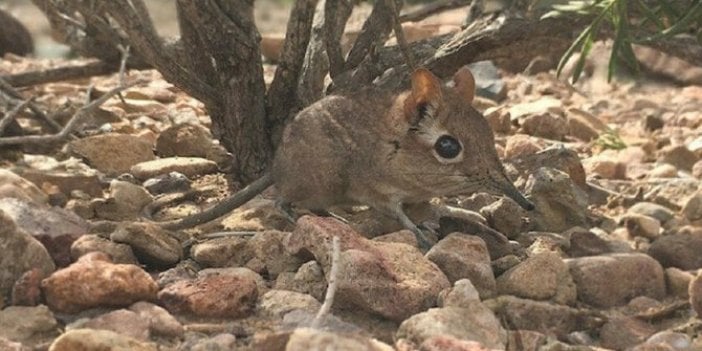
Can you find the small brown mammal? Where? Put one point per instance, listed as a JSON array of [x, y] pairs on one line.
[[386, 151], [14, 37]]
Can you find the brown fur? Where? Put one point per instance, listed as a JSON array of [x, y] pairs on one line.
[[377, 149]]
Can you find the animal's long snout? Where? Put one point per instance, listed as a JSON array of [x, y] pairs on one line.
[[507, 188]]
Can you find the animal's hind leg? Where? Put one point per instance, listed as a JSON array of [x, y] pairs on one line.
[[287, 210]]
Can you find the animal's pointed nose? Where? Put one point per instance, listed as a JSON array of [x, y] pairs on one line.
[[507, 188]]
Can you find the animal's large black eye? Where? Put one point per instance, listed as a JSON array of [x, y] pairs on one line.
[[447, 146]]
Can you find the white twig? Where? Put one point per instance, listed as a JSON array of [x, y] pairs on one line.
[[331, 286]]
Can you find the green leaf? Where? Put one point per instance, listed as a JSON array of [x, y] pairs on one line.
[[587, 45]]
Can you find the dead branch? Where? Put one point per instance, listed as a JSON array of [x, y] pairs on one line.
[[374, 33], [144, 39], [432, 9], [60, 74], [281, 103], [332, 283], [400, 35], [77, 118], [13, 94], [333, 46], [10, 116]]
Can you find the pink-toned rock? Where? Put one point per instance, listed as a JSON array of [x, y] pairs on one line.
[[27, 289], [95, 281], [226, 296], [605, 166], [462, 256], [389, 279]]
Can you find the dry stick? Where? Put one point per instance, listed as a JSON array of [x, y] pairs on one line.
[[432, 9], [400, 36], [331, 286], [59, 74], [68, 128], [123, 68], [10, 116], [36, 111]]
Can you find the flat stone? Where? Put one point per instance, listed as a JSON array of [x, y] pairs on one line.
[[92, 339], [222, 252], [112, 153], [277, 303], [119, 253], [225, 296], [184, 140], [189, 166], [635, 275]]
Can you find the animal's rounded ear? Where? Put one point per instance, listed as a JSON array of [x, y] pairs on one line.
[[464, 83], [426, 88]]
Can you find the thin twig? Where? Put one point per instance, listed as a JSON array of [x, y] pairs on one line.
[[68, 128], [10, 116], [400, 35], [36, 111], [60, 74], [433, 8], [331, 286], [122, 68]]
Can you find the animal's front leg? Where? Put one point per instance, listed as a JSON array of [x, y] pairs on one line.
[[422, 240]]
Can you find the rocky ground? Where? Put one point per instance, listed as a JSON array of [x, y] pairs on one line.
[[610, 259]]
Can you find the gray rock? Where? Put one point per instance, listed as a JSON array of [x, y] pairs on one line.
[[20, 253], [28, 325], [678, 250], [635, 275], [621, 333], [659, 212], [54, 227], [309, 279], [167, 183], [189, 166], [695, 292], [560, 204], [474, 322], [545, 317], [112, 153], [151, 244], [277, 303], [462, 256], [540, 277]]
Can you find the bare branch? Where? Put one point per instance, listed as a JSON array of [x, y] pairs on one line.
[[332, 283], [374, 33], [144, 39], [36, 111], [281, 103], [68, 128], [59, 74], [333, 46], [400, 35], [433, 8], [10, 116]]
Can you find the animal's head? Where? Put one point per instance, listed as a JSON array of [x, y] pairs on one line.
[[446, 145]]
